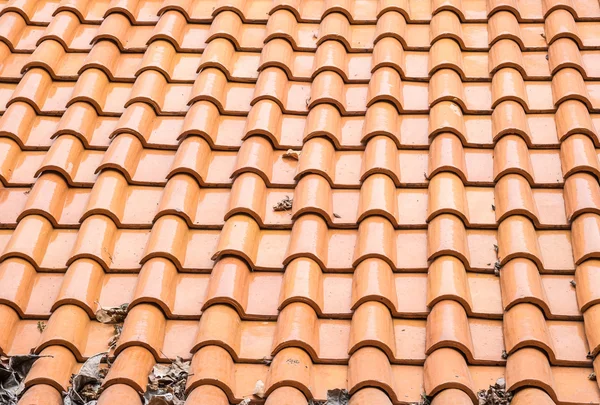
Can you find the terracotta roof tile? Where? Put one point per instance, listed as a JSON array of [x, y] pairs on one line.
[[398, 198]]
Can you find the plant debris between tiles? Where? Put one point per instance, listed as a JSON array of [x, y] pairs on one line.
[[13, 371], [284, 205]]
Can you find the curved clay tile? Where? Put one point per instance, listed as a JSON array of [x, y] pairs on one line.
[[591, 317], [511, 155], [568, 84], [521, 283], [586, 276], [447, 155], [82, 10], [134, 10], [144, 326], [204, 373], [525, 245], [210, 394], [221, 54], [561, 24], [232, 98], [130, 369], [372, 325], [220, 325], [38, 90], [504, 25], [381, 157], [505, 53], [54, 368], [313, 247], [447, 280], [16, 275], [447, 196], [47, 198], [446, 24], [257, 155], [585, 231], [447, 116], [446, 368], [161, 57], [67, 30], [385, 85], [376, 239], [82, 121], [573, 117], [509, 118], [318, 157], [381, 119], [43, 394], [313, 194], [582, 195], [525, 326], [302, 282], [378, 196], [389, 52], [454, 6], [564, 53], [374, 281], [578, 154], [447, 236], [529, 367], [508, 84], [74, 337], [18, 122], [95, 240], [51, 56], [232, 282], [446, 85], [448, 326], [513, 196], [34, 12], [81, 286], [392, 24], [532, 395], [362, 372], [30, 240]]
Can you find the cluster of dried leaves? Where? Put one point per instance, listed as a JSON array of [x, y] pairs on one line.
[[495, 395], [86, 385], [115, 316], [13, 371], [166, 383], [284, 205], [335, 396]]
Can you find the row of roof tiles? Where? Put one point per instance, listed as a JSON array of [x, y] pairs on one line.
[[358, 11], [172, 26]]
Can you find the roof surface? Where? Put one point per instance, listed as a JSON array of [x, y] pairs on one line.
[[442, 159]]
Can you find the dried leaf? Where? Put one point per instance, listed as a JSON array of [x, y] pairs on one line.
[[291, 154], [13, 371], [86, 384], [112, 315], [284, 205], [112, 343], [166, 383], [335, 396], [338, 396], [495, 395], [259, 389]]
